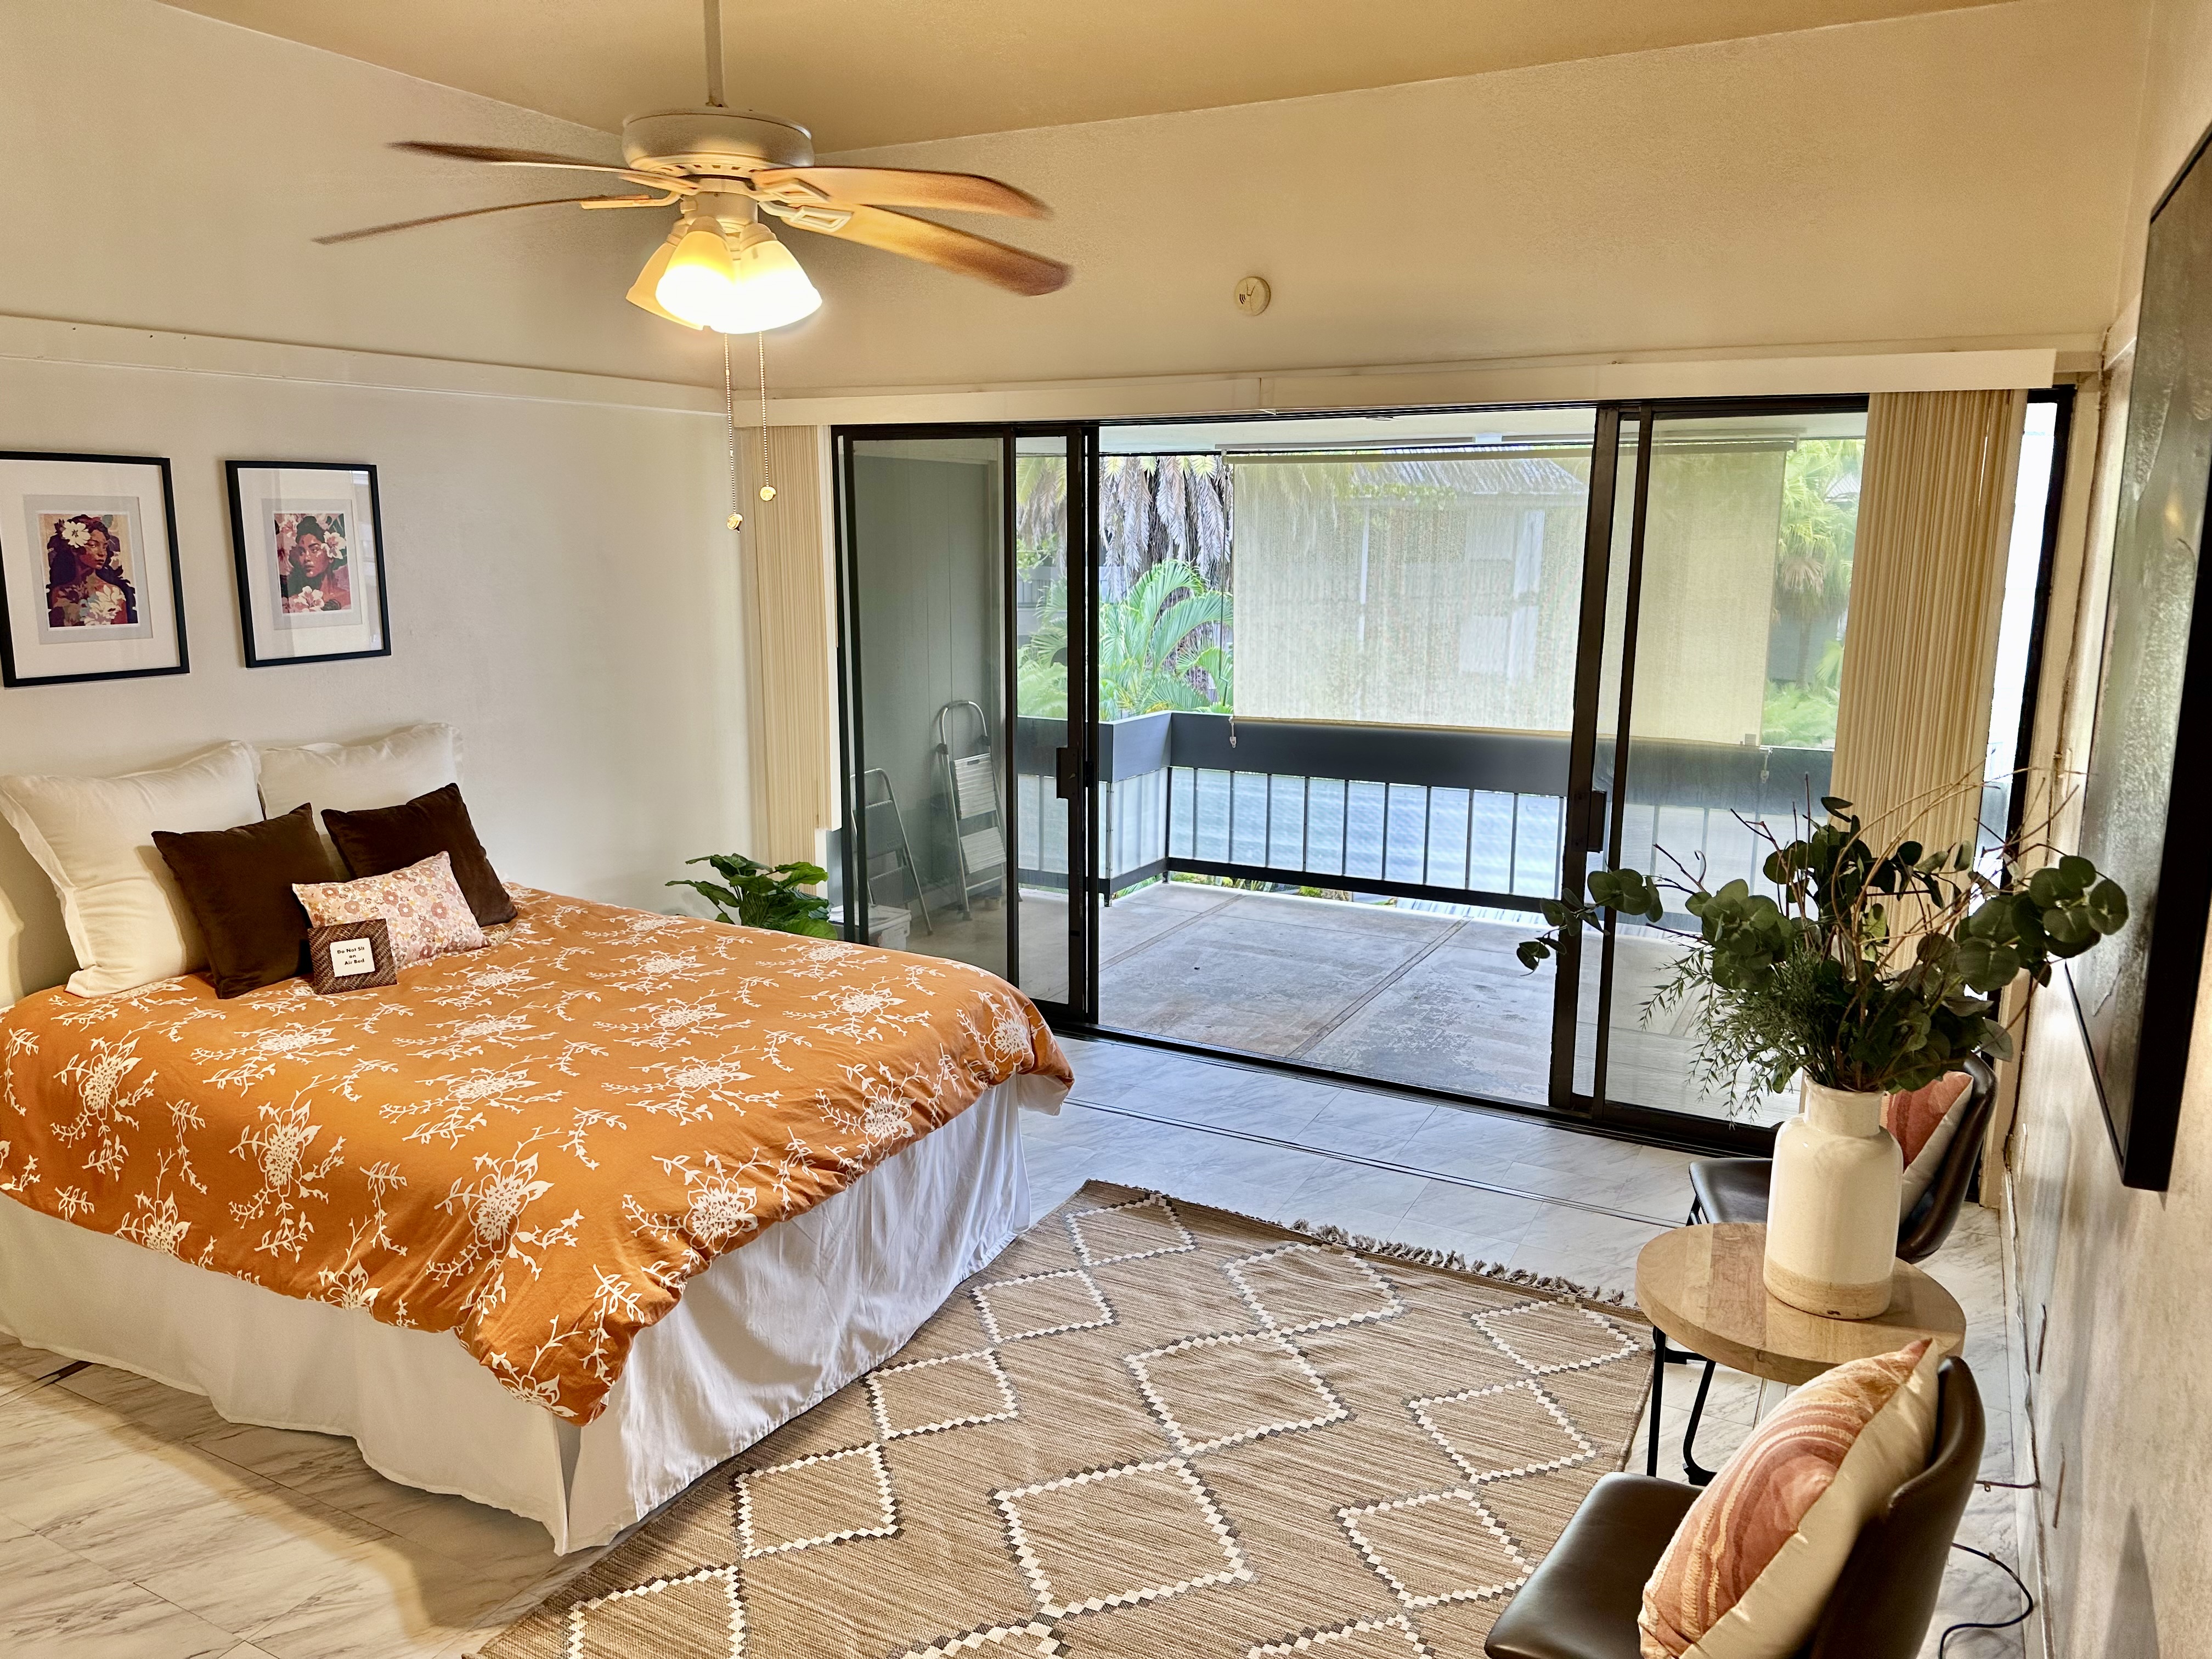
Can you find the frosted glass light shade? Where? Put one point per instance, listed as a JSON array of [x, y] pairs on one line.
[[644, 292], [700, 279], [770, 290]]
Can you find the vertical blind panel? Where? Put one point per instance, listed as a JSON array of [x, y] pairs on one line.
[[1927, 596]]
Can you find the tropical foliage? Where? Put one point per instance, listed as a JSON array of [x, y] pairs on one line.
[[1875, 969], [1159, 647], [1813, 585], [756, 894]]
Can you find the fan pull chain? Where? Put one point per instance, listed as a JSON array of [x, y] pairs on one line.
[[767, 490], [736, 519]]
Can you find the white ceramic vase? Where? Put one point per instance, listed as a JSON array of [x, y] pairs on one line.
[[1832, 1206]]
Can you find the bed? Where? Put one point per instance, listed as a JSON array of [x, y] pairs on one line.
[[558, 1224]]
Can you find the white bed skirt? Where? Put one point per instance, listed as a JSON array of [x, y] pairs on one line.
[[763, 1333]]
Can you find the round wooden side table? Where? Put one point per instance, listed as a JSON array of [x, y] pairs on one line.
[[1704, 1287]]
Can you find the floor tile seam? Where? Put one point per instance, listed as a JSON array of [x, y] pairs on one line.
[[113, 1580], [1344, 1015], [1385, 1163]]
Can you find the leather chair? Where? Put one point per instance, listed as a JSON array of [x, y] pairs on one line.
[[1735, 1189], [1582, 1601]]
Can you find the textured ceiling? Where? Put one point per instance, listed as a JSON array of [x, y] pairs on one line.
[[870, 72]]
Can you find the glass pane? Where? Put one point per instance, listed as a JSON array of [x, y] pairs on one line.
[[2023, 566], [1346, 646], [926, 544], [1731, 721], [1041, 714]]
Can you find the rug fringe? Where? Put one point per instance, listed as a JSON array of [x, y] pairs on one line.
[[1423, 1256], [1429, 1256]]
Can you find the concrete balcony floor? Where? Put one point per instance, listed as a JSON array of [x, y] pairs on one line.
[[1372, 991]]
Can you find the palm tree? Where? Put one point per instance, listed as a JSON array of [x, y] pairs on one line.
[[1820, 526]]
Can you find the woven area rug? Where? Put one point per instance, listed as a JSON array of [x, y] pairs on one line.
[[1150, 1429]]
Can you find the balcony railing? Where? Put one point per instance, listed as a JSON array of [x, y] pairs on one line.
[[1472, 817]]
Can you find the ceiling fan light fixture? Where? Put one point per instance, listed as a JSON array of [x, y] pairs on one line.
[[643, 293], [699, 278], [771, 290]]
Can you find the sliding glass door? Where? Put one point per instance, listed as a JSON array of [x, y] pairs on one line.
[[1712, 660], [1272, 736], [961, 645]]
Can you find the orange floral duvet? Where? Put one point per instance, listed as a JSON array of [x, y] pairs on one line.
[[534, 1146]]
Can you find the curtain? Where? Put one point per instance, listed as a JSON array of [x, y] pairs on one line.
[[1927, 595], [784, 553]]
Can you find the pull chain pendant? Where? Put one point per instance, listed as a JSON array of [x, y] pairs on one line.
[[767, 490], [736, 519]]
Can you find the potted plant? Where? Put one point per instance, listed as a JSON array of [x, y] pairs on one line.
[[755, 895], [1870, 969]]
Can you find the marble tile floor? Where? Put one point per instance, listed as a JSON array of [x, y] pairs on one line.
[[134, 1523]]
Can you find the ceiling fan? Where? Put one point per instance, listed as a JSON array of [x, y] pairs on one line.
[[721, 267]]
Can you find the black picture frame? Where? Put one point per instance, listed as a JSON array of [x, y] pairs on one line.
[[259, 649], [2149, 792], [12, 652]]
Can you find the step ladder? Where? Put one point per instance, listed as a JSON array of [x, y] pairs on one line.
[[971, 785], [886, 839]]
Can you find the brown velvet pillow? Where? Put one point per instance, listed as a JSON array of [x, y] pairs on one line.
[[239, 884], [387, 838]]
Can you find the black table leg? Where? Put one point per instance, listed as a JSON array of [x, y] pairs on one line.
[[1658, 1391], [1698, 1475]]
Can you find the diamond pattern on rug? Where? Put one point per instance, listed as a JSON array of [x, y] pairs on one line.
[[1037, 1636], [1104, 1538], [1135, 1231], [823, 1500], [1395, 1637], [1208, 1392], [930, 1509], [1546, 1337], [1042, 1304], [1436, 1547], [1297, 1288], [703, 1609], [1503, 1431], [931, 1395]]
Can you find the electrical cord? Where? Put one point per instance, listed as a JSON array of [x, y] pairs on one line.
[[1943, 1642]]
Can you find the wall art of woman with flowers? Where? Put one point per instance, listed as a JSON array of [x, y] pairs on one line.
[[312, 570], [87, 581]]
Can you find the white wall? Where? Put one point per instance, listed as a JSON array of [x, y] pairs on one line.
[[1932, 181], [2116, 1298], [561, 586]]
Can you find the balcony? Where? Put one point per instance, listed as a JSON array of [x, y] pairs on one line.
[[1449, 840]]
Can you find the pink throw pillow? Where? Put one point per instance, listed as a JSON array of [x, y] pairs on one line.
[[1912, 1117], [1751, 1567], [422, 905]]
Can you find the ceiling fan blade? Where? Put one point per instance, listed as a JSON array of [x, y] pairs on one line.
[[504, 207], [504, 158], [959, 192], [948, 249]]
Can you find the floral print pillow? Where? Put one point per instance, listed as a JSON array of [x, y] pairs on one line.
[[422, 905]]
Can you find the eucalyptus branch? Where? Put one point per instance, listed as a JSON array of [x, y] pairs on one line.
[[1870, 964]]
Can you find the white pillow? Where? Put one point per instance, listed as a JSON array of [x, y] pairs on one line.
[[94, 837], [355, 777]]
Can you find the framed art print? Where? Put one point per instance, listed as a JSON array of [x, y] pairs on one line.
[[89, 587], [310, 546], [2149, 792]]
